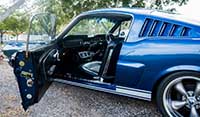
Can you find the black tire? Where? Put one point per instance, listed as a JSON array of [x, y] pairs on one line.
[[165, 84]]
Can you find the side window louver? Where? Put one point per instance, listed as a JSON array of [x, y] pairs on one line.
[[153, 27]]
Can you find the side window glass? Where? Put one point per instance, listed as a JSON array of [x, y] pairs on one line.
[[123, 29], [92, 26]]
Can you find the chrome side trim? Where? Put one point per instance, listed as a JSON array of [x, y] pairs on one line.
[[139, 90], [131, 91], [135, 65], [119, 90]]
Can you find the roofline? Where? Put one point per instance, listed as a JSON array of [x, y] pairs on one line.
[[148, 12]]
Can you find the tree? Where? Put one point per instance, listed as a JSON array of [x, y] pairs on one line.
[[2, 31], [75, 7], [65, 10], [11, 9], [2, 27], [15, 24], [165, 4]]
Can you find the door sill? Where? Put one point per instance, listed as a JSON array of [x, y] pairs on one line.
[[108, 88]]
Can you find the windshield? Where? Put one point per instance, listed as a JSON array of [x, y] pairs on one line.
[[92, 26]]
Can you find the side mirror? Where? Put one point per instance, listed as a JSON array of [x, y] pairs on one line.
[[42, 29]]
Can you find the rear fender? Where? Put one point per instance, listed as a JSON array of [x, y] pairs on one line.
[[181, 68], [174, 69]]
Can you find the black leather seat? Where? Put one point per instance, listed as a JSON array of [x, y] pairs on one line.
[[92, 68], [101, 68]]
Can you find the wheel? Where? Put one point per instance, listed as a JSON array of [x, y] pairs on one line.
[[178, 95]]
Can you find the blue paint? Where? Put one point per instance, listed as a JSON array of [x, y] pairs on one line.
[[159, 55], [143, 59]]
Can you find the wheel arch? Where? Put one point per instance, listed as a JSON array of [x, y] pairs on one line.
[[170, 71]]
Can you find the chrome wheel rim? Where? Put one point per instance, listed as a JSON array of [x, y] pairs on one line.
[[181, 97]]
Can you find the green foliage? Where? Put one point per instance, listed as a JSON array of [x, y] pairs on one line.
[[65, 10], [55, 7], [14, 23], [75, 7], [161, 4]]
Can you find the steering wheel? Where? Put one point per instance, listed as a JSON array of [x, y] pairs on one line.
[[109, 38]]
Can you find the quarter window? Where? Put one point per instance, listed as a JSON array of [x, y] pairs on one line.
[[123, 29]]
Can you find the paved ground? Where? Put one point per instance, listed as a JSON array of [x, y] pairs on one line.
[[62, 100]]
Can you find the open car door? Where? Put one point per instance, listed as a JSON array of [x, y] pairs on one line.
[[30, 65]]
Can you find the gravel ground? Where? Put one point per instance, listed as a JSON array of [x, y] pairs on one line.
[[63, 100]]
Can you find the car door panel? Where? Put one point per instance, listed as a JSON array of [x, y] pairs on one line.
[[26, 78], [31, 74]]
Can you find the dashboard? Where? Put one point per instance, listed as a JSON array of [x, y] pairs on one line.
[[86, 48]]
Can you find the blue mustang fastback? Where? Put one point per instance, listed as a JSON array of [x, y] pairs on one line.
[[139, 53]]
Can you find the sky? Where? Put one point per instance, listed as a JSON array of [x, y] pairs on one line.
[[6, 2], [191, 9]]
